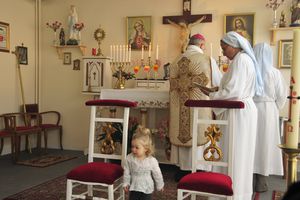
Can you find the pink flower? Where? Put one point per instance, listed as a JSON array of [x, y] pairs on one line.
[[78, 26]]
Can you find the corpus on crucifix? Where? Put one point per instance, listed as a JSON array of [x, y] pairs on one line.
[[185, 22]]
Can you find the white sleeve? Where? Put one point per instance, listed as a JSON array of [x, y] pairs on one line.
[[156, 174], [233, 82], [216, 73], [126, 176], [280, 90]]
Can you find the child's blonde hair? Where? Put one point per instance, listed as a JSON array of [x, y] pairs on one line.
[[144, 135]]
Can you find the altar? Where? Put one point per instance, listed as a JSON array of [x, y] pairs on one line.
[[152, 111]]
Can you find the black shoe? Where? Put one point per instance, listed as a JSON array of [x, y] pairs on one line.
[[181, 173]]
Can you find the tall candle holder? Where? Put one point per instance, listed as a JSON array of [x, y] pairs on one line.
[[120, 71]]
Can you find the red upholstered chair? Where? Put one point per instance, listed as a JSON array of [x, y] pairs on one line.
[[210, 183], [49, 123], [19, 124], [4, 133], [104, 174]]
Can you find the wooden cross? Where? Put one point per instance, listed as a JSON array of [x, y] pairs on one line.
[[187, 16]]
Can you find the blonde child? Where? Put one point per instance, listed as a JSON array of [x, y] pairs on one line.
[[141, 168]]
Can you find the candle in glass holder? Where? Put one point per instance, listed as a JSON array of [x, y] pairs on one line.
[[146, 68], [142, 52], [155, 68], [136, 69]]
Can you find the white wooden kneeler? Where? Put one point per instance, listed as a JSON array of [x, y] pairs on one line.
[[107, 175], [210, 183]]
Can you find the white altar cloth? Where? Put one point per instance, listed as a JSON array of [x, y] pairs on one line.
[[146, 98]]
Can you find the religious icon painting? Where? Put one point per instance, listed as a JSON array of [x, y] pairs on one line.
[[4, 37], [76, 64], [22, 55], [285, 53], [242, 23], [67, 58], [139, 32]]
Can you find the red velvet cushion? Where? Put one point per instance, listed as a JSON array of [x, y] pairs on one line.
[[215, 104], [97, 172], [111, 102], [209, 182], [4, 133], [49, 126]]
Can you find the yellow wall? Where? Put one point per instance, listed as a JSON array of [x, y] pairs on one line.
[[61, 86]]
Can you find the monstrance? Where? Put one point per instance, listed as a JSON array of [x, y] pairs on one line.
[[99, 35]]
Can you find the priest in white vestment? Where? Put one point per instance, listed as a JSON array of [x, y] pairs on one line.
[[268, 156], [191, 66], [241, 82]]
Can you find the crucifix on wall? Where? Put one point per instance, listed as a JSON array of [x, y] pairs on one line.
[[185, 22]]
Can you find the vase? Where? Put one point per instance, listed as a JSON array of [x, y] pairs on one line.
[[55, 39], [275, 23]]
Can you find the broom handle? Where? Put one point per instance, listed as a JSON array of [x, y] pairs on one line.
[[22, 94]]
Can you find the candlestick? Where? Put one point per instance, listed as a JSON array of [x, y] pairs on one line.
[[110, 51], [221, 52], [156, 57], [293, 124], [211, 50], [117, 53], [114, 54], [149, 53], [142, 52], [129, 53]]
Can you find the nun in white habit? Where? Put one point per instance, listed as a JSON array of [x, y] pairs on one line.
[[268, 156], [241, 82]]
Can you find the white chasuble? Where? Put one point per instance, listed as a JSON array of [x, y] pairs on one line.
[[192, 66]]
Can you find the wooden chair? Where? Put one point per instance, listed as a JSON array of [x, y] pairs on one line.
[[5, 133], [95, 174], [210, 183], [19, 124], [49, 122]]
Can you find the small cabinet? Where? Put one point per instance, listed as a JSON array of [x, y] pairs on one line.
[[97, 74], [274, 30]]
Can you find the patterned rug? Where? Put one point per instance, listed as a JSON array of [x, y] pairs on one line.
[[56, 189], [45, 160], [277, 195]]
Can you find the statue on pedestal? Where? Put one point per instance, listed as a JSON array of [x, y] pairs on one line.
[[295, 18]]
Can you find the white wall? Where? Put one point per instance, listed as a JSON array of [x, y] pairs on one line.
[[61, 86]]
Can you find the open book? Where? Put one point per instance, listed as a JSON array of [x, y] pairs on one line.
[[204, 89]]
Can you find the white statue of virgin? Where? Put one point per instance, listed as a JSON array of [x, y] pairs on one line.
[[72, 20]]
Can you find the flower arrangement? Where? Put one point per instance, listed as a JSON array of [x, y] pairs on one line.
[[78, 26], [274, 4], [54, 26], [126, 75]]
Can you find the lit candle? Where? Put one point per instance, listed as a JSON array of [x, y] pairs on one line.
[[293, 124], [221, 52], [117, 53], [121, 53], [211, 50], [142, 51], [111, 52], [149, 55], [129, 59], [156, 52], [126, 50]]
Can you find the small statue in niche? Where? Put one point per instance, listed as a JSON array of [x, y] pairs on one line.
[[295, 9], [62, 40], [282, 22]]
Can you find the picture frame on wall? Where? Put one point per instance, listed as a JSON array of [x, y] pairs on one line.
[[67, 58], [76, 64], [285, 53], [22, 55], [242, 23], [138, 32], [4, 37]]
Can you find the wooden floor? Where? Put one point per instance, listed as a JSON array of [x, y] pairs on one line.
[[15, 178]]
